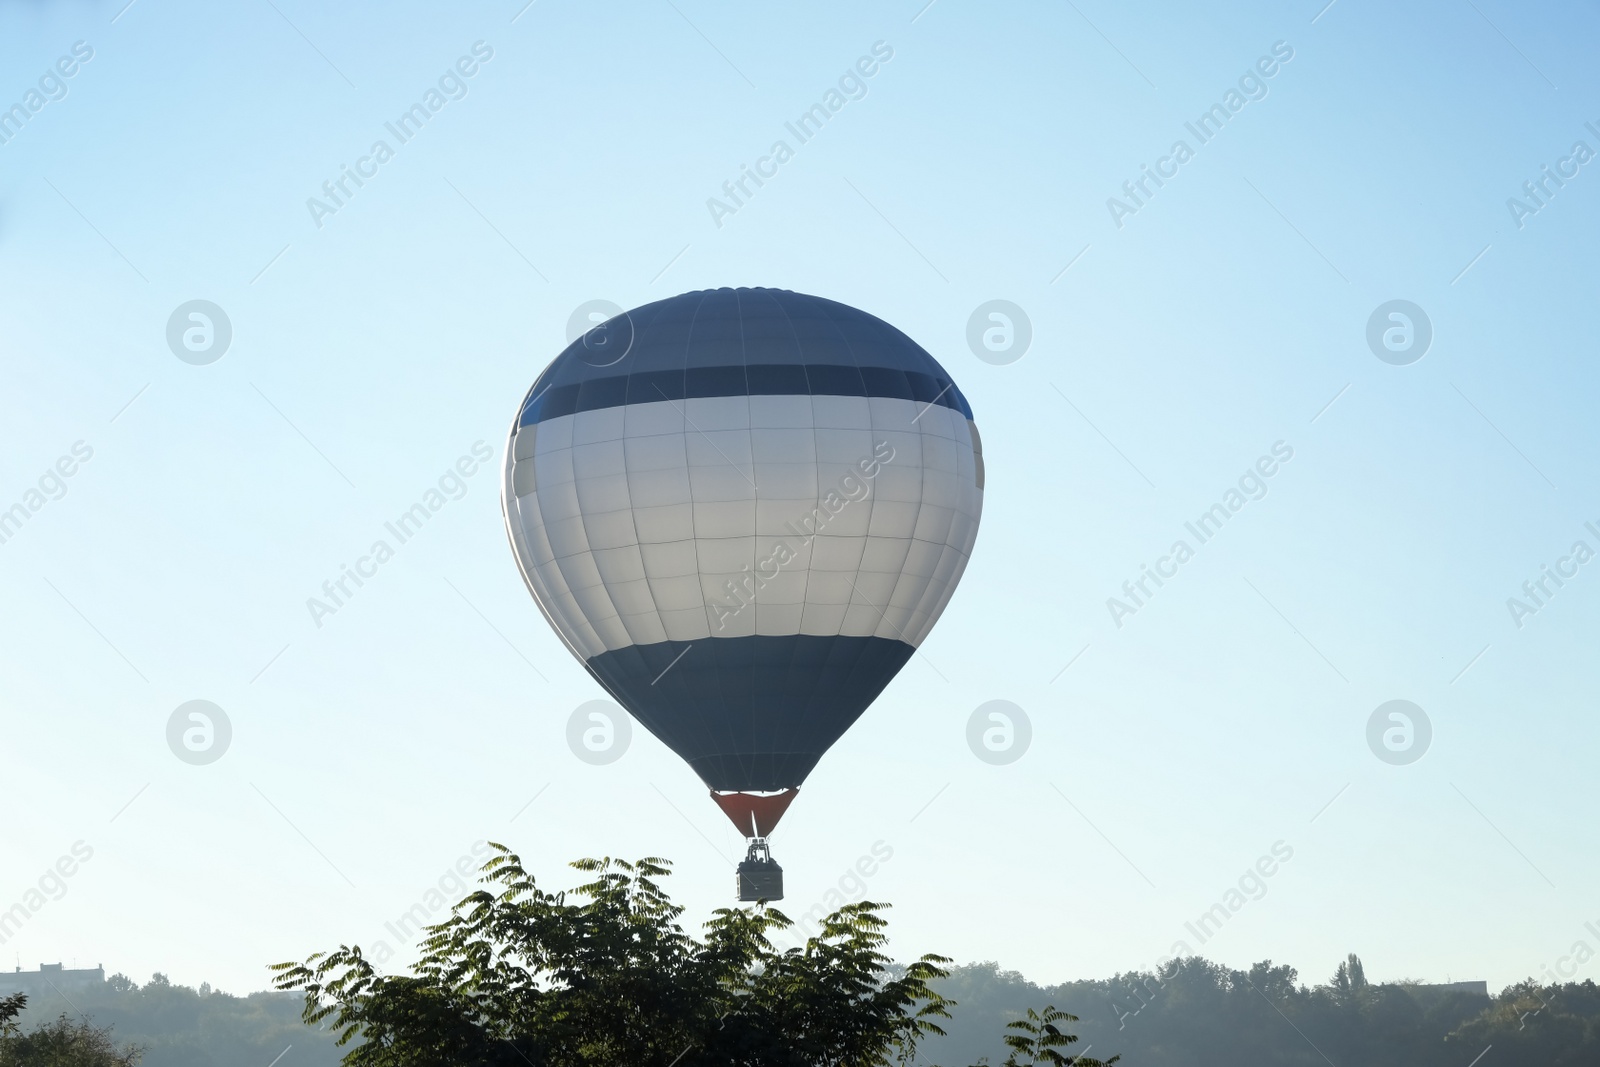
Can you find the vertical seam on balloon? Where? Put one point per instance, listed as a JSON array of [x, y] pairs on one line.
[[963, 555], [922, 502], [931, 588], [755, 509], [583, 522], [816, 464], [937, 594], [872, 498], [797, 638], [512, 511], [575, 619], [867, 400], [633, 521], [922, 495], [536, 581], [928, 583], [816, 467], [755, 485], [627, 482], [943, 600], [707, 739], [835, 714], [694, 527]]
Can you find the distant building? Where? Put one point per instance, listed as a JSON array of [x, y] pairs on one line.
[[51, 978]]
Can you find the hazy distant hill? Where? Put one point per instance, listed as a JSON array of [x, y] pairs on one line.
[[1200, 1015], [1203, 1014], [184, 1027]]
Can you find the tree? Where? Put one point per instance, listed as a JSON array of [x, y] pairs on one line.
[[1040, 1040], [10, 1008], [609, 978], [61, 1043]]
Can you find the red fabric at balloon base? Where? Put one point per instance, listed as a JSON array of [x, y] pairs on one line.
[[755, 814]]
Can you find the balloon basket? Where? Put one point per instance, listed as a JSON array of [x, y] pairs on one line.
[[760, 877]]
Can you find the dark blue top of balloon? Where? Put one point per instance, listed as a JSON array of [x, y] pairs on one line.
[[738, 342]]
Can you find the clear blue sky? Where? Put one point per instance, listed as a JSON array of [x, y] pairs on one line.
[[1222, 317]]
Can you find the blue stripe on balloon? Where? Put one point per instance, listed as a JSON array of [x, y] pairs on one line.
[[656, 386], [751, 713], [745, 342]]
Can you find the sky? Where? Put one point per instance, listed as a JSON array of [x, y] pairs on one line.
[[1224, 722]]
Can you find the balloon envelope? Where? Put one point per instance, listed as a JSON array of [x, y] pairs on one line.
[[743, 510]]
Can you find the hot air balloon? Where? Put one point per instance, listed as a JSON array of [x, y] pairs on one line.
[[743, 510]]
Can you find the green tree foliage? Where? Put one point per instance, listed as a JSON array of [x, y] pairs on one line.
[[10, 1008], [60, 1042], [1554, 1025], [1349, 980], [607, 977], [1041, 1041]]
